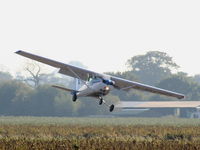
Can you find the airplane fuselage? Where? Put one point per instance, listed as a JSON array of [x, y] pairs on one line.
[[94, 88]]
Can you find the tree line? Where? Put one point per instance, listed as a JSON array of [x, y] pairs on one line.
[[34, 96]]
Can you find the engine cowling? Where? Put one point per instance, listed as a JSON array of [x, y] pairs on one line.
[[108, 82], [105, 90]]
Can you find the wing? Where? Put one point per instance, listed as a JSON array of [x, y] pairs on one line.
[[127, 84], [65, 69]]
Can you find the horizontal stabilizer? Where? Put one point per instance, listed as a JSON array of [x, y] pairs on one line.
[[63, 88]]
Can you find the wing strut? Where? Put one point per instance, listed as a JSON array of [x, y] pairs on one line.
[[77, 76]]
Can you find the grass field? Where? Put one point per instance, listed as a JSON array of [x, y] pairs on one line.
[[99, 133], [166, 121]]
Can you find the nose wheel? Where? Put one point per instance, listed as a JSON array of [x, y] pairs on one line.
[[101, 101]]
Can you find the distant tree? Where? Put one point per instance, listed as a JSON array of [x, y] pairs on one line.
[[152, 67], [34, 75], [5, 76], [197, 78], [180, 84], [20, 103], [7, 93], [182, 74], [64, 106], [34, 70], [11, 92], [54, 78], [42, 101]]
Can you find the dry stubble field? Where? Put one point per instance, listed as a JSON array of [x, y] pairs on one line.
[[99, 133]]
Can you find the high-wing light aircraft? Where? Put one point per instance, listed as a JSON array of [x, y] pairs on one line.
[[96, 84]]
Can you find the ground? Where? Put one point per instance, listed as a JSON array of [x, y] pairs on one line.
[[99, 133]]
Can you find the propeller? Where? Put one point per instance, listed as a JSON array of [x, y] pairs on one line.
[[108, 82]]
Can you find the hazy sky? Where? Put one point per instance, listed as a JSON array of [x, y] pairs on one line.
[[101, 34]]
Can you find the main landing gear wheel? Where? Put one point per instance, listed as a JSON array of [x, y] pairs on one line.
[[112, 107], [74, 97], [101, 101]]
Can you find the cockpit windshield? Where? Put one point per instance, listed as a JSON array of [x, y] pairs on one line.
[[93, 80]]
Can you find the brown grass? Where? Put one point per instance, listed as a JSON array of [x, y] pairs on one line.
[[121, 137]]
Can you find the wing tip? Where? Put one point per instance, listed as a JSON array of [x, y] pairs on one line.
[[18, 52], [182, 97]]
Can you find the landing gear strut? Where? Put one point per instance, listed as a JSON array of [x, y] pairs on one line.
[[74, 97], [101, 101]]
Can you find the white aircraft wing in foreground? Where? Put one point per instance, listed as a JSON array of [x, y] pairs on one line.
[[96, 84]]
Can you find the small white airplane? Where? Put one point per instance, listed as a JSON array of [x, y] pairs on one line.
[[96, 84]]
